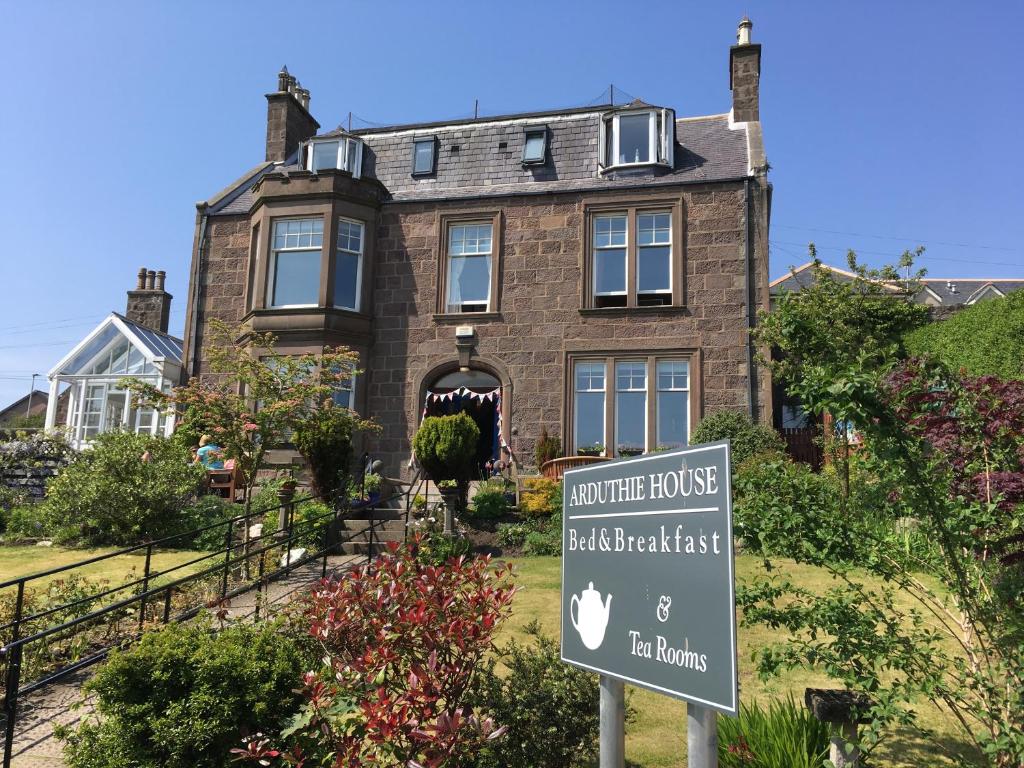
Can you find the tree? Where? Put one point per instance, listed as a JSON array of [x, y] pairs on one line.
[[943, 460], [256, 399]]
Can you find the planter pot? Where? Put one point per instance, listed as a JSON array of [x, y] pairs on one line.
[[373, 496], [625, 452], [589, 452]]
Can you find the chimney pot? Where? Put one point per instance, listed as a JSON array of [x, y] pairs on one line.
[[288, 120], [743, 32], [141, 284], [150, 279], [161, 275], [282, 80]]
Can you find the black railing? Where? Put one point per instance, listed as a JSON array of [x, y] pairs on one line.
[[88, 627]]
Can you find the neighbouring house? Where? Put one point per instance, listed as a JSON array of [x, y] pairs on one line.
[[592, 271], [943, 294], [85, 395], [32, 404]]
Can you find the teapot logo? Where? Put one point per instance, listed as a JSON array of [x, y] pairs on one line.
[[591, 616]]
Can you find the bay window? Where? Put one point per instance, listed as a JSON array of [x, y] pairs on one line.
[[345, 154], [294, 279], [634, 257], [348, 264], [625, 405]]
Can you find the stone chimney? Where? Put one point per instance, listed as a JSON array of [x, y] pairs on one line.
[[745, 75], [149, 304], [288, 118]]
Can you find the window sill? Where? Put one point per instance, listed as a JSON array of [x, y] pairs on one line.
[[466, 318], [623, 311]]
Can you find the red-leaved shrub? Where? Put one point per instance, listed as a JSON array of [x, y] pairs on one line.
[[401, 641]]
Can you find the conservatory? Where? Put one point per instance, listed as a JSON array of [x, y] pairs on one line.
[[85, 391]]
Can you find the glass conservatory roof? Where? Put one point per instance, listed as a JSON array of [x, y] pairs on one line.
[[119, 347]]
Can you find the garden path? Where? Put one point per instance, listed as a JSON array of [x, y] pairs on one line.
[[38, 714]]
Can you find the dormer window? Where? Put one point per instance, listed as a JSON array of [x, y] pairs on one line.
[[535, 146], [341, 154], [638, 137]]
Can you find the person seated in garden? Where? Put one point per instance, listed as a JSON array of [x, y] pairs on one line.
[[210, 454]]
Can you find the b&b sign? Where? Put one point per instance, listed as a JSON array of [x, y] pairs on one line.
[[648, 575]]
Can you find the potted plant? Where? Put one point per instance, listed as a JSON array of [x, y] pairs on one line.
[[590, 450], [372, 483], [445, 447], [449, 490], [630, 450]]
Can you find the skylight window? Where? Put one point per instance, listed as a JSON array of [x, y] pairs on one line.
[[423, 152], [535, 146]]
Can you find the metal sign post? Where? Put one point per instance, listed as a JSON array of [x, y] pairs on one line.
[[648, 587]]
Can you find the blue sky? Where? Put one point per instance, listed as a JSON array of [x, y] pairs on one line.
[[887, 125]]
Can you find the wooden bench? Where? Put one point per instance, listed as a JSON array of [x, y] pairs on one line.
[[226, 482], [555, 468]]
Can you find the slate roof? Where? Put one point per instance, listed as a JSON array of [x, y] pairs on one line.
[[707, 149], [949, 291]]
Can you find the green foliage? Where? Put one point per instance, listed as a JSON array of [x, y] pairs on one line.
[[546, 448], [514, 534], [489, 501], [445, 446], [785, 735], [30, 450], [31, 521], [550, 708], [109, 495], [372, 483], [184, 695], [206, 511], [547, 539], [540, 497], [781, 504], [985, 339], [746, 438], [324, 439]]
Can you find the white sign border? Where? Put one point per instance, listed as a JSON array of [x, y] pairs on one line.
[[734, 709]]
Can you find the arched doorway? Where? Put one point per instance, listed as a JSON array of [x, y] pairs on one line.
[[478, 394]]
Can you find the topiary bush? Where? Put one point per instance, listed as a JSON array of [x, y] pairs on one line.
[[785, 735], [184, 696], [746, 438], [325, 441], [109, 495], [541, 497], [445, 447]]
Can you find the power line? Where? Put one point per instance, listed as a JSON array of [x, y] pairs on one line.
[[906, 239], [890, 254]]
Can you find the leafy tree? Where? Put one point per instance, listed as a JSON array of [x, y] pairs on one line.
[[949, 454], [746, 438], [256, 399], [985, 339], [324, 438]]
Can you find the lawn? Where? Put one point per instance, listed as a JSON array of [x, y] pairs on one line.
[[16, 561], [658, 735]]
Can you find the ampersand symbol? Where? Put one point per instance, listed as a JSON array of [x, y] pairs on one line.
[[663, 605]]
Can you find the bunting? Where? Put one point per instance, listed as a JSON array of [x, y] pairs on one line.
[[493, 396]]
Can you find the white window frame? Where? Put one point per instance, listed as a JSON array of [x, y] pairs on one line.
[[349, 158], [450, 306], [642, 362], [272, 271], [640, 247], [359, 260], [624, 248], [660, 144], [602, 364], [658, 390]]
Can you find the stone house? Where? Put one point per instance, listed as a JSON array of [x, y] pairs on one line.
[[591, 271]]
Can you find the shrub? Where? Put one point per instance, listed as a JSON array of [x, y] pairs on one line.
[[550, 708], [445, 446], [490, 501], [746, 438], [108, 495], [540, 497], [32, 521], [28, 450], [985, 339], [781, 504], [514, 534], [325, 441], [203, 512], [547, 539], [547, 447], [784, 735], [184, 694], [402, 643]]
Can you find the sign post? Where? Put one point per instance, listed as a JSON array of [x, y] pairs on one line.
[[648, 587]]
